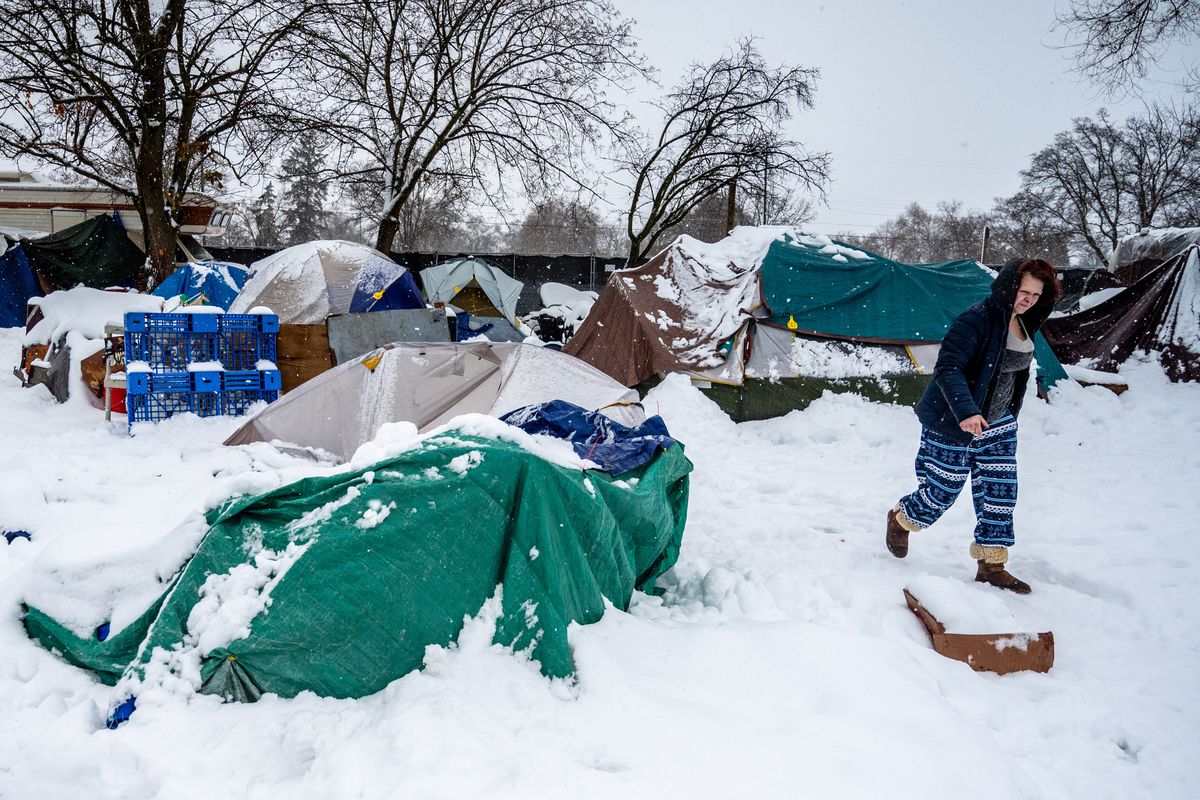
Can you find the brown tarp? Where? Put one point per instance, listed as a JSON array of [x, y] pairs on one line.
[[1160, 313], [672, 314], [1001, 653]]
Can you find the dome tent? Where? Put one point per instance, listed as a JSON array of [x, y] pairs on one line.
[[306, 283], [473, 285], [427, 384]]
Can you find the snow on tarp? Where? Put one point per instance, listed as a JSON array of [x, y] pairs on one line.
[[217, 282], [974, 608], [364, 569], [678, 311], [1159, 314], [86, 311], [1152, 243], [306, 283]]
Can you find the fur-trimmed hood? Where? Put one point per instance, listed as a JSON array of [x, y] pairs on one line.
[[1004, 292]]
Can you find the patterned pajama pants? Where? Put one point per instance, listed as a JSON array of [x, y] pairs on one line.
[[991, 462]]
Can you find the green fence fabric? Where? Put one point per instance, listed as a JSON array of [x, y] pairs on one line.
[[95, 253], [759, 398], [828, 290], [363, 570]]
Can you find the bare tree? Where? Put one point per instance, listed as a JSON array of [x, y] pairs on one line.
[[558, 225], [150, 99], [467, 91], [1103, 181], [918, 236], [721, 125], [1118, 40]]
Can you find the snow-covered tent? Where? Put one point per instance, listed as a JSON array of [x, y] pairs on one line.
[[785, 313], [211, 283], [1136, 255], [1159, 314], [473, 285], [427, 384], [306, 283]]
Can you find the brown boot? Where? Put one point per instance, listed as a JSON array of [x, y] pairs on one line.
[[991, 561], [897, 534]]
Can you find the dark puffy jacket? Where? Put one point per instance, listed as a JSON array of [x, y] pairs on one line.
[[968, 364]]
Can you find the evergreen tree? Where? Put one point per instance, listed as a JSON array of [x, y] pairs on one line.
[[266, 219], [304, 200]]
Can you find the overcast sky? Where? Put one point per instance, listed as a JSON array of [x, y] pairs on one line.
[[924, 100]]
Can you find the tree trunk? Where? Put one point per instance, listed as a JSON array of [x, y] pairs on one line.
[[158, 228], [730, 207], [388, 228], [635, 253]]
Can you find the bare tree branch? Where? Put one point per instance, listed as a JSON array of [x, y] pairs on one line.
[[722, 125]]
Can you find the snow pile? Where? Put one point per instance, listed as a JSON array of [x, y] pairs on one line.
[[838, 360], [86, 311], [780, 653], [569, 304], [974, 608]]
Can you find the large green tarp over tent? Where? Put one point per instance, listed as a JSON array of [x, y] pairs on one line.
[[838, 290], [350, 577], [96, 253]]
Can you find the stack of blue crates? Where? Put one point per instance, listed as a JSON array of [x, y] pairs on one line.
[[177, 349]]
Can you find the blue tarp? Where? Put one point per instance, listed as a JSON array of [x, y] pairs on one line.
[[401, 293], [615, 447], [17, 285], [218, 282]]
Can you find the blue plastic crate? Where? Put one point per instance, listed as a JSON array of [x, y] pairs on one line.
[[206, 381], [157, 406], [234, 403], [157, 382], [251, 380], [248, 323], [170, 342], [146, 322], [241, 380], [243, 350], [173, 342]]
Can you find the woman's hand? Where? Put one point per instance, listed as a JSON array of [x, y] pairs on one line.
[[974, 425]]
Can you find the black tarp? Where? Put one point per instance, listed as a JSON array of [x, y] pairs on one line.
[[1160, 313], [96, 253]]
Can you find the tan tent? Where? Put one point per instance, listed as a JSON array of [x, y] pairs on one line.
[[428, 384]]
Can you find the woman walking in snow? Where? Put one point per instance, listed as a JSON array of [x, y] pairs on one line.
[[969, 418]]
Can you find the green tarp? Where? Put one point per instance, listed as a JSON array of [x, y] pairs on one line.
[[356, 574], [832, 290], [96, 253]]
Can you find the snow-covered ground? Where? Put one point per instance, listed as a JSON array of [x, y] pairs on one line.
[[781, 662]]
